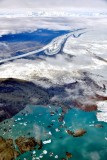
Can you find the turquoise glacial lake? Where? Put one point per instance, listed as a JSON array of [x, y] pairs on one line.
[[42, 123]]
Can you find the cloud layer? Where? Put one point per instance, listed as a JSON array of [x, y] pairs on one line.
[[53, 3]]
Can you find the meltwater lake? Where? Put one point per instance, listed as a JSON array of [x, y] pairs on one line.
[[43, 123]]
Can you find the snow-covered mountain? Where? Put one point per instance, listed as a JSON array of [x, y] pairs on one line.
[[77, 73]]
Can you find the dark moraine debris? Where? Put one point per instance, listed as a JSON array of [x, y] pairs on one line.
[[61, 118], [79, 133], [7, 150], [64, 110], [70, 132], [52, 113], [26, 144], [49, 126], [68, 155]]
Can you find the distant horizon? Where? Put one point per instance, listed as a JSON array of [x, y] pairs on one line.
[[55, 9], [52, 12]]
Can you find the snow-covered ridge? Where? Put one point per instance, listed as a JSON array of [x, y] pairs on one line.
[[50, 13]]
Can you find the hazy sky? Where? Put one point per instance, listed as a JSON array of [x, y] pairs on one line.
[[102, 4]]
